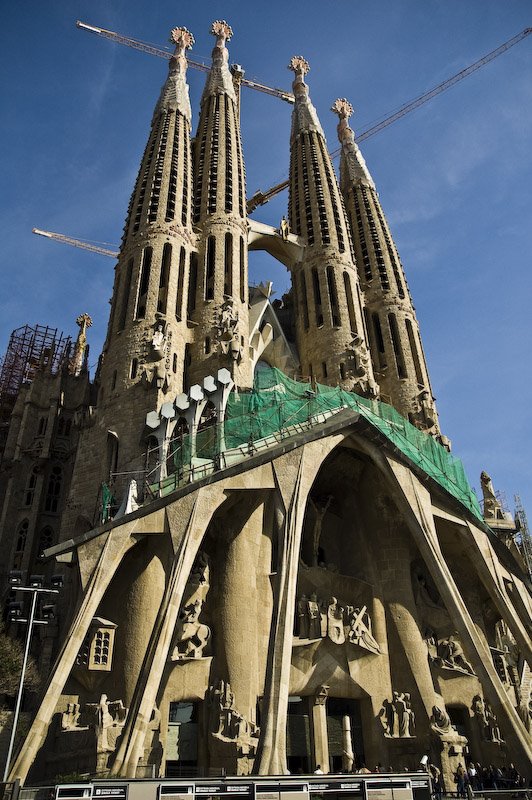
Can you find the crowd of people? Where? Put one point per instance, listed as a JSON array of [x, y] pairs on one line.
[[475, 778]]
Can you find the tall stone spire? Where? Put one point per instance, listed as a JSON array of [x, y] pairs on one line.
[[147, 332], [395, 343], [142, 363], [329, 323], [218, 297]]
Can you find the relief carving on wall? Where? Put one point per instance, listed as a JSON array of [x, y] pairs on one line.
[[226, 723], [487, 721], [447, 653], [192, 636], [228, 330], [397, 717], [318, 619]]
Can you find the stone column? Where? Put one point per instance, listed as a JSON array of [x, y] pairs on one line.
[[320, 741]]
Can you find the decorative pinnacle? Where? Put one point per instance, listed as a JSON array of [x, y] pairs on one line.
[[342, 107], [84, 322], [222, 30], [299, 65], [181, 37]]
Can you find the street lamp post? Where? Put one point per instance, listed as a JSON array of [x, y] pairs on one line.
[[35, 589]]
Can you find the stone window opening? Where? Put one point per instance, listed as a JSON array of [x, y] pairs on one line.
[[228, 264], [163, 279], [242, 272], [53, 490], [317, 297], [324, 369], [125, 298], [397, 349], [113, 380], [415, 353], [20, 546], [333, 297], [134, 368], [342, 370], [379, 339], [350, 303], [192, 285], [174, 363], [96, 652], [180, 281], [209, 268], [112, 453], [144, 282], [304, 301], [46, 540], [43, 423], [30, 488], [207, 347]]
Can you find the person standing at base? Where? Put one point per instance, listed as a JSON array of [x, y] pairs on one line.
[[318, 770]]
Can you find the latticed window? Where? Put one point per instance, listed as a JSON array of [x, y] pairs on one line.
[[53, 490], [46, 539], [30, 489], [96, 652], [20, 544]]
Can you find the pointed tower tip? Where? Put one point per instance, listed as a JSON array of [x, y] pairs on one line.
[[220, 80], [352, 164], [342, 108], [222, 30], [299, 65], [182, 38]]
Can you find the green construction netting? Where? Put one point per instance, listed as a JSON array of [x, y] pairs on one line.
[[277, 402]]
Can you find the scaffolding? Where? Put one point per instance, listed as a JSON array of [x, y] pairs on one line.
[[523, 538], [29, 349]]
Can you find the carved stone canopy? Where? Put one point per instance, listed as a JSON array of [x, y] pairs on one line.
[[342, 108], [222, 30], [182, 38]]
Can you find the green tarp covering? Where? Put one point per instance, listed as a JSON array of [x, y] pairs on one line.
[[277, 402]]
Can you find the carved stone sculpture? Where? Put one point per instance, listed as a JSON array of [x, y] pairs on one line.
[[226, 723], [487, 720], [450, 655], [440, 722], [228, 330], [397, 717], [424, 417], [340, 623], [191, 635], [361, 360]]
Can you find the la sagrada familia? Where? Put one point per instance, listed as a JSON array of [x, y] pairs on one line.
[[271, 558]]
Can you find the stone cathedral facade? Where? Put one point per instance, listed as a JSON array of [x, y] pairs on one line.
[[271, 558]]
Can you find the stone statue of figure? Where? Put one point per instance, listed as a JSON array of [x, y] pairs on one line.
[[104, 721], [284, 228], [158, 342], [314, 617], [302, 617], [359, 632], [192, 636], [452, 653], [479, 710], [425, 415], [320, 509], [440, 722], [387, 714], [493, 730], [335, 621], [404, 716]]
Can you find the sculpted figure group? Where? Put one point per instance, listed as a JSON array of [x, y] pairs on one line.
[[397, 717], [317, 619]]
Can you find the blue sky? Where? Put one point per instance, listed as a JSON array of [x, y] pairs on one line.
[[454, 177]]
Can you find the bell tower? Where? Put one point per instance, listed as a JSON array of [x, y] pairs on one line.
[[395, 342], [330, 328], [218, 292]]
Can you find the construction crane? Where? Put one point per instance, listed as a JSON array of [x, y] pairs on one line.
[[60, 237], [521, 524], [288, 97], [260, 198]]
